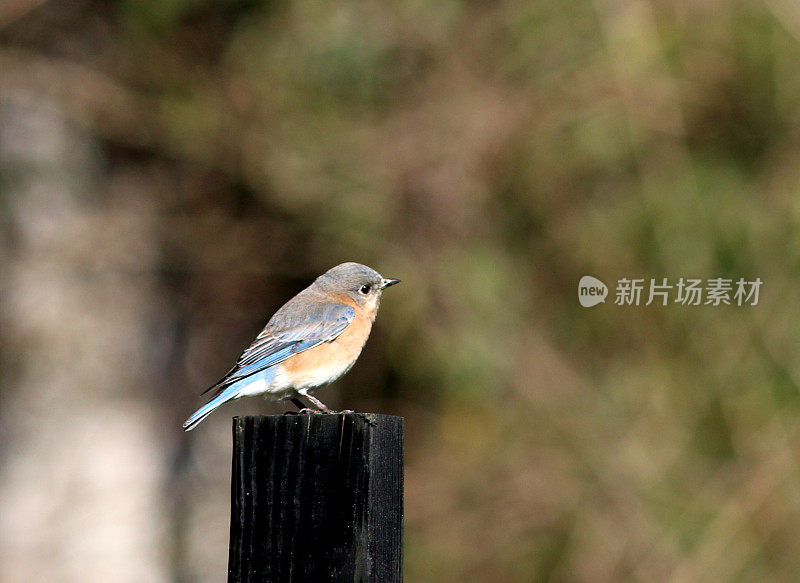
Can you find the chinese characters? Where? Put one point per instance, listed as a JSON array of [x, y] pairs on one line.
[[688, 292]]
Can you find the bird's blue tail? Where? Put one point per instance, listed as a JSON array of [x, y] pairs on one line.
[[228, 394], [251, 385]]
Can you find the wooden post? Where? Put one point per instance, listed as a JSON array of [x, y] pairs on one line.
[[317, 498]]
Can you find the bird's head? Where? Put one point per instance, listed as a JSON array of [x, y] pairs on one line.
[[358, 282]]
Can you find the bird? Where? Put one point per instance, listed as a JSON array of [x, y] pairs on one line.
[[311, 341]]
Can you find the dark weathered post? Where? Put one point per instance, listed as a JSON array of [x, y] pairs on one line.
[[317, 498]]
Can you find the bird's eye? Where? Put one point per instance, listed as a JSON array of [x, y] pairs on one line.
[[365, 289]]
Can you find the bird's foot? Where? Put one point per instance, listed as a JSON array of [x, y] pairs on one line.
[[306, 411]]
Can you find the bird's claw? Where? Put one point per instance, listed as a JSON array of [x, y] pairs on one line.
[[307, 411]]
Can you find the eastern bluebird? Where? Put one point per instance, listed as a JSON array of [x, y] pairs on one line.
[[311, 341]]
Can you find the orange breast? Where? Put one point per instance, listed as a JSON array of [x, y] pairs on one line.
[[330, 360]]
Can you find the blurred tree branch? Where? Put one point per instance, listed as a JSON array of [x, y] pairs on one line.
[[11, 11], [88, 97]]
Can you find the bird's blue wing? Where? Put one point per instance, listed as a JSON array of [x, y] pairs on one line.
[[289, 332]]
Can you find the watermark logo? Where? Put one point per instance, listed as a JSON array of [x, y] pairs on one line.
[[714, 291], [591, 291]]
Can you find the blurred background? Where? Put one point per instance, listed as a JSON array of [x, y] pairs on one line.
[[171, 171]]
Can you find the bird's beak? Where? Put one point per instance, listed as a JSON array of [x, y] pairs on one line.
[[386, 282]]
